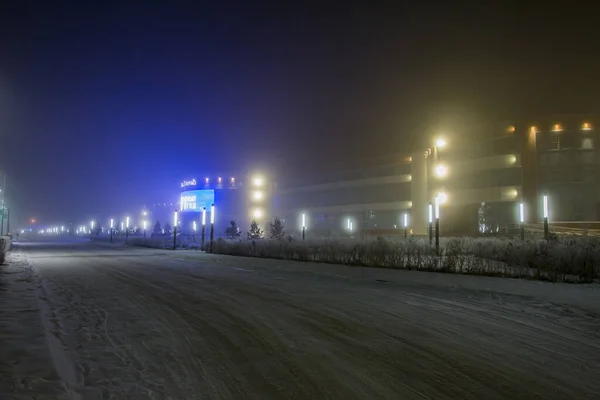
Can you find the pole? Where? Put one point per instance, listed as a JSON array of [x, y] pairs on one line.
[[8, 221], [430, 224], [546, 229], [303, 232], [175, 231], [437, 224], [111, 234], [522, 232], [212, 227], [3, 205], [203, 226], [126, 234]]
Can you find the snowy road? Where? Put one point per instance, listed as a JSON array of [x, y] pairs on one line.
[[128, 323]]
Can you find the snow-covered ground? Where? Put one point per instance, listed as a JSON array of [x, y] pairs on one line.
[[137, 323]]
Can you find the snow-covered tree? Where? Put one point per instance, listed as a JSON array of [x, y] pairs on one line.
[[232, 231], [276, 229], [255, 232]]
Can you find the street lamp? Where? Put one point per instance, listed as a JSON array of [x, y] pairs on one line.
[[175, 230], [546, 228], [203, 225], [112, 224], [145, 223], [303, 226], [405, 225], [522, 220], [437, 223], [126, 229], [430, 224], [212, 226]]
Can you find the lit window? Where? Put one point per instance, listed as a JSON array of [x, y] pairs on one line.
[[586, 126], [554, 143], [556, 128], [587, 143]]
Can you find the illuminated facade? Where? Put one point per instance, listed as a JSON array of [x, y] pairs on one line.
[[481, 176]]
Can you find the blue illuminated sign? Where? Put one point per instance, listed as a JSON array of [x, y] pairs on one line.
[[195, 200], [191, 182]]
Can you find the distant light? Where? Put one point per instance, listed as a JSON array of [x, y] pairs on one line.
[[232, 180], [145, 224], [440, 143], [219, 179], [32, 221], [127, 223], [405, 220], [174, 219], [545, 203], [443, 197], [512, 159], [257, 195], [556, 128], [510, 129], [257, 213], [206, 180], [145, 213], [303, 221], [112, 223], [194, 226], [92, 224], [441, 171], [586, 126], [62, 228], [258, 181], [122, 226], [521, 212], [437, 207], [430, 213], [349, 224], [203, 216], [212, 214], [513, 193], [533, 129]]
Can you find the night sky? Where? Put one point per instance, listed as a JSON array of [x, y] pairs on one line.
[[104, 108]]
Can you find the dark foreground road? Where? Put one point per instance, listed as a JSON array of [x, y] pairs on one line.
[[145, 324]]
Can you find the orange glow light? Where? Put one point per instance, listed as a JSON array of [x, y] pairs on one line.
[[511, 129], [556, 128], [586, 126]]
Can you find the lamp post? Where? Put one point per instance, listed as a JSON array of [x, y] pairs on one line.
[[546, 228], [437, 224], [203, 225], [112, 225], [175, 230], [303, 226], [126, 229], [522, 220], [212, 226], [405, 218], [145, 226], [430, 224]]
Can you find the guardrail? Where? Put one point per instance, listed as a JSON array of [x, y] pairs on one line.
[[563, 230]]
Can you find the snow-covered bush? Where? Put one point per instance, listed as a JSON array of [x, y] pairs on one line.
[[558, 260]]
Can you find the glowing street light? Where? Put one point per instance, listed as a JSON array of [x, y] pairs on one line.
[[405, 220], [203, 225], [522, 219], [257, 195], [175, 218], [127, 223], [437, 223], [440, 143], [92, 225], [212, 227], [303, 225], [194, 226], [430, 224], [545, 207], [257, 213]]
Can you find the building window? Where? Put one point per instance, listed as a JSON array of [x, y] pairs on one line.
[[554, 143], [587, 143]]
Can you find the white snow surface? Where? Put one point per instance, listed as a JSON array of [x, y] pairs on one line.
[[92, 321]]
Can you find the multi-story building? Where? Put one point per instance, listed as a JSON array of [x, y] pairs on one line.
[[479, 176]]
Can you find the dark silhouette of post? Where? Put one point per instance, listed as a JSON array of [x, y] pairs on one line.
[[203, 225], [430, 224], [437, 224], [303, 232], [212, 227]]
